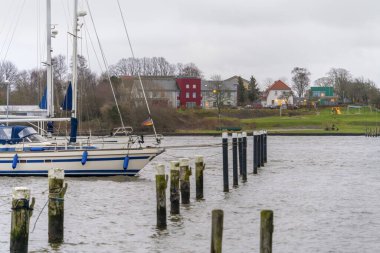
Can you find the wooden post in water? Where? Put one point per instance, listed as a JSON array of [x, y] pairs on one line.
[[184, 179], [265, 146], [56, 207], [259, 149], [244, 145], [174, 188], [262, 148], [255, 152], [216, 231], [161, 184], [240, 154], [234, 160], [225, 161], [266, 231], [21, 213], [199, 168]]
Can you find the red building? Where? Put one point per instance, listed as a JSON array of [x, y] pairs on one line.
[[189, 92]]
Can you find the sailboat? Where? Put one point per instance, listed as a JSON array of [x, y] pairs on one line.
[[24, 152]]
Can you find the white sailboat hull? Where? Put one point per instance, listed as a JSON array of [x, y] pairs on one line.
[[96, 162]]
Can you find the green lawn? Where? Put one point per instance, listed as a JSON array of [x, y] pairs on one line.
[[309, 122]]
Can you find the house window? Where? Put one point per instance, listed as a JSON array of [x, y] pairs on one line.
[[194, 95], [272, 102], [187, 86], [190, 104], [275, 93], [194, 86], [187, 94]]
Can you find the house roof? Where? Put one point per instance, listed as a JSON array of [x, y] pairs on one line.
[[278, 85]]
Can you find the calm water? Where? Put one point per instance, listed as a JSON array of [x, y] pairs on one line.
[[324, 192]]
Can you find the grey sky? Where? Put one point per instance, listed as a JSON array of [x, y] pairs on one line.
[[264, 38]]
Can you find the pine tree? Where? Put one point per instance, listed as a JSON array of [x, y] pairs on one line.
[[241, 92], [253, 90]]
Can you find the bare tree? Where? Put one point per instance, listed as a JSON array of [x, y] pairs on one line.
[[301, 80], [191, 70], [323, 82], [340, 79]]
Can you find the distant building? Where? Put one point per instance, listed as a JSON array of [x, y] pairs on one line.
[[323, 95], [227, 90], [180, 92], [277, 94], [189, 92]]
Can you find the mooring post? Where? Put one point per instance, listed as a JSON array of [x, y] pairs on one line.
[[225, 161], [259, 150], [265, 146], [234, 160], [217, 231], [184, 179], [21, 213], [161, 183], [56, 207], [244, 144], [174, 188], [266, 231], [262, 149], [199, 168], [255, 152], [240, 153]]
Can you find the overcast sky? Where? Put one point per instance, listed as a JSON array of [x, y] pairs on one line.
[[264, 38]]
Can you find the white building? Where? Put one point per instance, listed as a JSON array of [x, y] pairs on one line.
[[277, 94]]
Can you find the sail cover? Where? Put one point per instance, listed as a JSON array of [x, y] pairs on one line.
[[67, 103]]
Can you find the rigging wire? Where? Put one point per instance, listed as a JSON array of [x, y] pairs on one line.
[[138, 73], [14, 29], [92, 45], [106, 65]]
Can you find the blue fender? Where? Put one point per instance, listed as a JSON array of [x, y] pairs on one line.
[[126, 162], [15, 161], [84, 157]]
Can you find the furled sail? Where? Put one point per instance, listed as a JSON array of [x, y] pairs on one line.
[[67, 104]]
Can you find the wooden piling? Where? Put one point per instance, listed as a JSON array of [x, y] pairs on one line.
[[21, 213], [161, 184], [244, 155], [56, 207], [184, 179], [225, 162], [265, 146], [262, 148], [199, 168], [255, 152], [234, 160], [266, 231], [174, 188], [240, 153], [217, 231], [259, 149]]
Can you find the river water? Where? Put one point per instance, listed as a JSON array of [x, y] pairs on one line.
[[324, 192]]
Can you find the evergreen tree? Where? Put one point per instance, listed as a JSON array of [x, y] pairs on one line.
[[253, 90], [241, 92]]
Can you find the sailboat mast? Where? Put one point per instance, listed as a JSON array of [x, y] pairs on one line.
[[49, 76], [75, 60]]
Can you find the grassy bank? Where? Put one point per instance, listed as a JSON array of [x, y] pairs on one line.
[[292, 121]]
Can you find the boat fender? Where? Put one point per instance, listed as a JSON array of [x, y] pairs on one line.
[[126, 162], [15, 161], [84, 157]]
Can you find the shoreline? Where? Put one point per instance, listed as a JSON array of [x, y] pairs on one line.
[[269, 133]]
